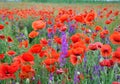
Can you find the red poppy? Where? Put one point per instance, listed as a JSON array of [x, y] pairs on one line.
[[75, 37], [11, 53], [107, 62], [90, 17], [26, 68], [38, 25], [106, 50], [1, 27], [98, 28], [116, 13], [25, 43], [2, 37], [51, 68], [33, 34], [57, 39], [27, 56], [7, 71], [77, 51], [36, 48], [87, 40], [80, 18], [63, 28], [116, 56], [49, 30], [80, 44], [92, 47], [54, 54], [9, 39], [98, 44], [115, 38], [1, 56], [43, 41], [42, 53], [49, 61], [6, 23], [63, 17], [108, 22], [115, 82], [27, 72], [75, 59]]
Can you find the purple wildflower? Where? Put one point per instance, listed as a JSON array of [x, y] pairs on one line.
[[50, 78], [71, 30], [64, 49]]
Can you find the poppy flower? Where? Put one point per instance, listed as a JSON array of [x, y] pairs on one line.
[[33, 34], [24, 75], [108, 22], [42, 53], [27, 57], [107, 63], [63, 28], [77, 51], [49, 61], [57, 40], [80, 18], [87, 40], [36, 48], [106, 50], [75, 59], [115, 82], [25, 43], [6, 23], [98, 44], [2, 37], [90, 17], [92, 47], [1, 27], [49, 30], [11, 53], [51, 68], [37, 25], [116, 13], [59, 71], [63, 17], [1, 56], [75, 37], [115, 38], [43, 41], [116, 56], [102, 35], [26, 68], [7, 71], [80, 44], [98, 28], [9, 39]]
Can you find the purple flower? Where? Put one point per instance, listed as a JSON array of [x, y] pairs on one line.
[[50, 78], [71, 30], [64, 49]]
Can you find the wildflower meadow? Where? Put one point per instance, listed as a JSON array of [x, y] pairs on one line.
[[58, 43]]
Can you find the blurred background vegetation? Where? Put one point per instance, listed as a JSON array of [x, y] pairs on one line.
[[61, 1]]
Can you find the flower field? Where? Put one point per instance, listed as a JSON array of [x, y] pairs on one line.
[[59, 43]]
